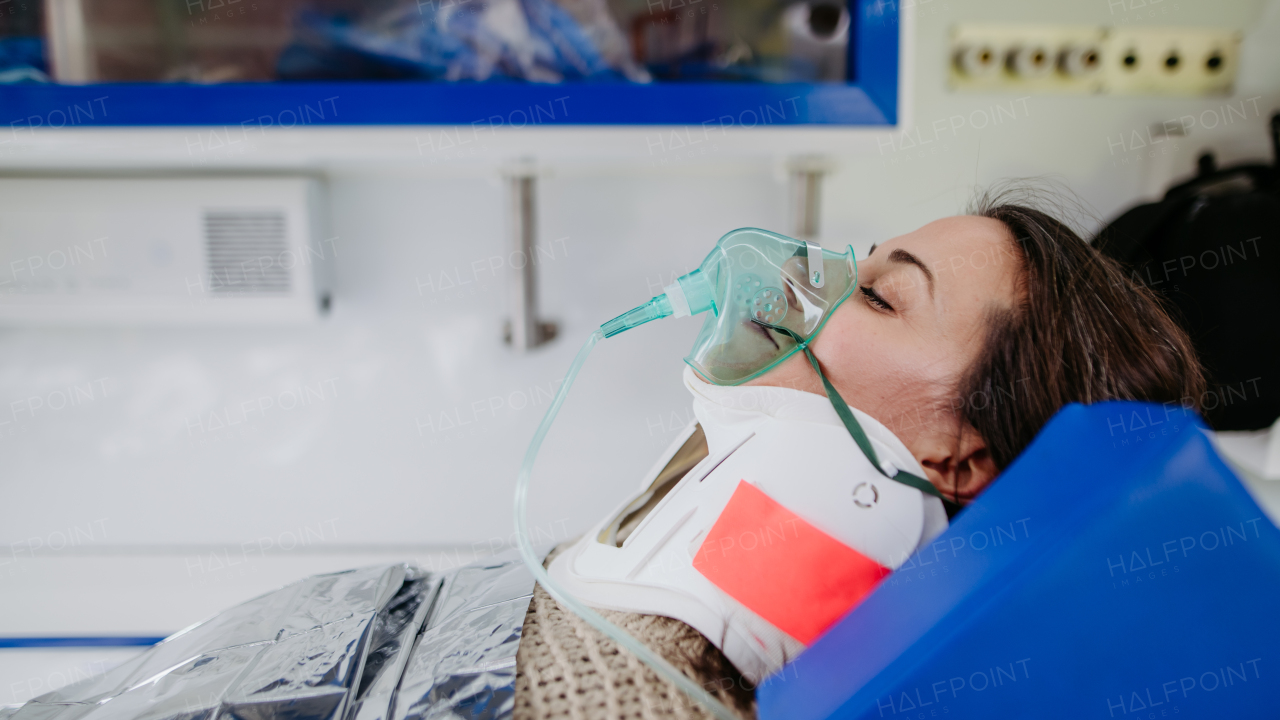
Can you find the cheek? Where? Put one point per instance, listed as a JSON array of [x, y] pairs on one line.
[[877, 372], [859, 357]]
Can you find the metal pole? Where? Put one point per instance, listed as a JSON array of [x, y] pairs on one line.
[[525, 330], [806, 194], [523, 287]]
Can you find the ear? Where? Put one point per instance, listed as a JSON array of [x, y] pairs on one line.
[[960, 467]]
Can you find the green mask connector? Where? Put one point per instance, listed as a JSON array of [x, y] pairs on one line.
[[659, 307], [689, 295]]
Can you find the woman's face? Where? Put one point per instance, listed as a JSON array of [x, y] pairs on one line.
[[896, 348]]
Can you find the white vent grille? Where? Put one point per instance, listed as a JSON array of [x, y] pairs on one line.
[[247, 251]]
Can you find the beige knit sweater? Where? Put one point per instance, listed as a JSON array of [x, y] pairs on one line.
[[567, 669]]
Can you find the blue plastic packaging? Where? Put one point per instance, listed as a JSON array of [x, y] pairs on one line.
[[450, 40], [1117, 569]]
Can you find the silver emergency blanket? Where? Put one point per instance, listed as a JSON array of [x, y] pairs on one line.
[[379, 643], [464, 665]]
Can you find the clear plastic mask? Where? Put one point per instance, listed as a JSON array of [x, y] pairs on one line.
[[758, 278]]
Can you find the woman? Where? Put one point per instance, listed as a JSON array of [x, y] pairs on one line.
[[962, 339]]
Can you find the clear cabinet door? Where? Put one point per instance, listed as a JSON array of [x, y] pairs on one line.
[[541, 41]]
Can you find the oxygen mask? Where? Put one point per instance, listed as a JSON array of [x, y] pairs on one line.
[[764, 294]]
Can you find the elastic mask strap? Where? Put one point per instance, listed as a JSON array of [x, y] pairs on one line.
[[859, 435]]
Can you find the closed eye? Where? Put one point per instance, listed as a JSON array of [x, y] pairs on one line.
[[874, 298]]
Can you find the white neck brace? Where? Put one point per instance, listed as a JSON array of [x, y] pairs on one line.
[[777, 448], [726, 413]]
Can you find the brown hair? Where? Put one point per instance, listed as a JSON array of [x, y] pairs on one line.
[[1082, 332]]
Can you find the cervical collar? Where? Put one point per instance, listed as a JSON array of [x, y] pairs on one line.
[[763, 544]]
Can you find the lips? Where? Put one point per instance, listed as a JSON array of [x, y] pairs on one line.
[[763, 331]]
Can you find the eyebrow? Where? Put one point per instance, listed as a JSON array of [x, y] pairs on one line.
[[902, 256]]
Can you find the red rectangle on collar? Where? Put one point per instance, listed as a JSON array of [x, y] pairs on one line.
[[795, 576]]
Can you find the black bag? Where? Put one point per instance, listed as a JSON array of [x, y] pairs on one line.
[[1210, 248]]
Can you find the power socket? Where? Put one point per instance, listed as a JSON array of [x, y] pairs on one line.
[[1027, 58], [1172, 61], [1087, 59]]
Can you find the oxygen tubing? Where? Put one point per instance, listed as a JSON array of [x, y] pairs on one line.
[[534, 563]]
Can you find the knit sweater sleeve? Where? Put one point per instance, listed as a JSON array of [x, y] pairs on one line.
[[566, 669]]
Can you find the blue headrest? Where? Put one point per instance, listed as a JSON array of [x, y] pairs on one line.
[[1117, 569]]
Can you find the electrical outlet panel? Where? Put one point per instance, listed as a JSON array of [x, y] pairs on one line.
[[1088, 59]]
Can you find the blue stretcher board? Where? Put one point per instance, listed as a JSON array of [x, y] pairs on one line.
[[1116, 569]]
